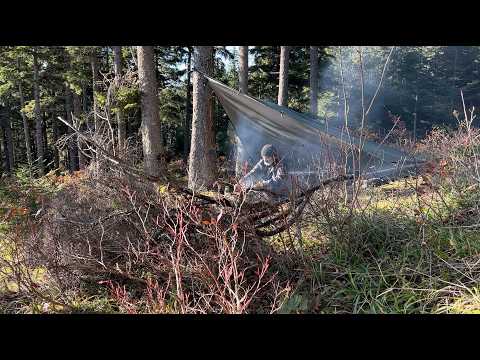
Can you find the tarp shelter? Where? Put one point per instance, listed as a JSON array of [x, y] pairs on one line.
[[306, 144]]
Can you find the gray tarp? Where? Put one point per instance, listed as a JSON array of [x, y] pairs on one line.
[[304, 141]]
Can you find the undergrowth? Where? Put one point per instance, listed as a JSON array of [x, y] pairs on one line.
[[410, 246]]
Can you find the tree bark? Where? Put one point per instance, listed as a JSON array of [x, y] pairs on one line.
[[77, 110], [121, 126], [243, 69], [3, 161], [10, 149], [283, 79], [188, 109], [38, 116], [44, 137], [94, 66], [84, 98], [211, 133], [202, 162], [26, 127], [314, 80], [56, 135], [151, 129], [8, 143], [72, 144], [243, 87]]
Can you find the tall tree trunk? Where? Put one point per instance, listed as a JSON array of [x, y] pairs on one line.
[[314, 80], [10, 148], [151, 129], [163, 125], [202, 162], [283, 79], [243, 87], [94, 66], [38, 116], [26, 127], [121, 126], [85, 111], [84, 98], [44, 136], [211, 133], [3, 160], [77, 110], [243, 69], [56, 135], [72, 144], [96, 119], [188, 109], [8, 142]]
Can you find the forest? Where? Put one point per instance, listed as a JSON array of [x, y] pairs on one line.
[[239, 179]]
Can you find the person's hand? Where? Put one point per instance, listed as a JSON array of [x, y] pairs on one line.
[[258, 185]]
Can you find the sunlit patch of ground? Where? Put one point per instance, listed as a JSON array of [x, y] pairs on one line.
[[20, 199], [468, 303]]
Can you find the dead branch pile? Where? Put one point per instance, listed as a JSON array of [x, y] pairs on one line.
[[262, 219]]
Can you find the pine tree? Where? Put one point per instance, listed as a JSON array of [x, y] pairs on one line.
[[243, 87], [38, 116], [96, 90], [202, 162], [122, 129], [151, 127], [188, 108], [314, 80], [283, 78]]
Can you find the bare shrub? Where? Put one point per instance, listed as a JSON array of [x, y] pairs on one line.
[[153, 250]]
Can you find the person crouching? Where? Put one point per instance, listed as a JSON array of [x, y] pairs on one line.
[[269, 174]]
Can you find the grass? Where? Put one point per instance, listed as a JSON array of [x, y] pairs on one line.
[[20, 198], [467, 303], [396, 257], [409, 247]]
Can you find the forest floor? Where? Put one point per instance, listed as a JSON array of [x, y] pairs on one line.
[[407, 247]]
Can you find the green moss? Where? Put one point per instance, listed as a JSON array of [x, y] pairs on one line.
[[295, 304]]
